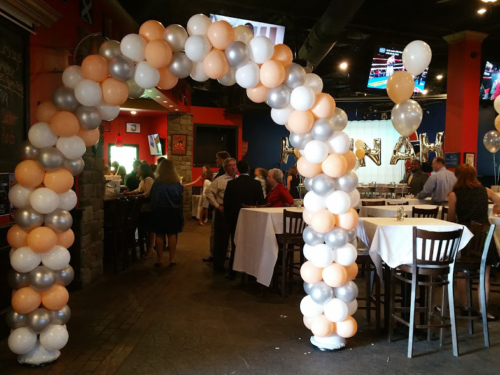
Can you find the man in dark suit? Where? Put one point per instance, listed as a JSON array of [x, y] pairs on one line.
[[416, 179], [242, 191]]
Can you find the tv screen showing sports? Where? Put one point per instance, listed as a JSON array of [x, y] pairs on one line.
[[385, 63], [490, 87], [274, 32], [154, 145]]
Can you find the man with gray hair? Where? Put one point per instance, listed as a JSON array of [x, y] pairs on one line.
[[279, 195]]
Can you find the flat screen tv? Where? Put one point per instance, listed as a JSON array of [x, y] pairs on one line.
[[490, 88], [387, 61], [154, 143]]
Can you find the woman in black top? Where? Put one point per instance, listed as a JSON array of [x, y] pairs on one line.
[[293, 181]]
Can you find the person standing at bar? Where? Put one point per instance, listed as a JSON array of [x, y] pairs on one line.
[[439, 184]]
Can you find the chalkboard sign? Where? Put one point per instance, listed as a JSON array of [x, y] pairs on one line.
[[14, 93]]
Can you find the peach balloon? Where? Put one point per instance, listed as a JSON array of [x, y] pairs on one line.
[[59, 181], [347, 328], [323, 221], [25, 300], [497, 122], [300, 122], [167, 80], [258, 94], [90, 137], [114, 92], [17, 237], [55, 298], [308, 169], [45, 111], [215, 64], [400, 86], [334, 275], [334, 165], [65, 239], [64, 124], [352, 271], [360, 153], [151, 30], [321, 326], [307, 322], [351, 159], [324, 106], [307, 216], [158, 53], [283, 54], [41, 240], [272, 74], [29, 173], [310, 273], [348, 220], [95, 67], [220, 34]]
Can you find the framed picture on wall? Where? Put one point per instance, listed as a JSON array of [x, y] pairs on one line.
[[469, 158], [106, 126], [179, 144], [133, 127]]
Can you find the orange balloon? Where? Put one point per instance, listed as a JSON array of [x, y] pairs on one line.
[[360, 153], [321, 326], [352, 271], [351, 159], [90, 137], [400, 86], [167, 80], [308, 322], [323, 221], [151, 30], [64, 124], [41, 240], [29, 173], [158, 53], [497, 122], [59, 181], [65, 239], [17, 237], [335, 165], [300, 122], [95, 67], [45, 111], [272, 73], [25, 300], [114, 92], [334, 275], [283, 54], [220, 34], [55, 298], [258, 94], [310, 273], [347, 328], [307, 216], [215, 64], [348, 220], [324, 106], [308, 169]]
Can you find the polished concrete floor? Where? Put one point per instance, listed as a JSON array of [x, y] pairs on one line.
[[185, 320]]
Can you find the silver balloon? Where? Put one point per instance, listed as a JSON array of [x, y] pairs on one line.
[[323, 185], [299, 141], [180, 66], [311, 237], [110, 49], [437, 147], [41, 278], [58, 220], [336, 238], [295, 76], [307, 287], [17, 280], [50, 158], [61, 316], [28, 151], [347, 292], [134, 90], [88, 117], [397, 154], [406, 117], [308, 184], [278, 97], [14, 319], [347, 182], [351, 235], [373, 154], [321, 293], [75, 167], [65, 276], [237, 54], [491, 141], [27, 218], [64, 99], [121, 68], [38, 320], [176, 36], [322, 129], [339, 119]]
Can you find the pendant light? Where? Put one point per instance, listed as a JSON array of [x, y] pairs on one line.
[[119, 142]]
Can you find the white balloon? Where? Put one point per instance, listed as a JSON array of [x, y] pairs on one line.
[[302, 98], [72, 76], [280, 116], [416, 57], [230, 78], [339, 143], [338, 202], [496, 104], [248, 75], [25, 260], [67, 201], [88, 93], [261, 49], [313, 202], [108, 112], [309, 308], [19, 195], [198, 24], [345, 255], [314, 82], [355, 198], [336, 310], [40, 135], [54, 337], [146, 76], [316, 151], [133, 47], [44, 200], [197, 72], [71, 147], [243, 34], [320, 256], [57, 258], [21, 340], [197, 47], [352, 307]]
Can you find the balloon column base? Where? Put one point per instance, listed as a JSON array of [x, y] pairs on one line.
[[39, 356], [329, 343]]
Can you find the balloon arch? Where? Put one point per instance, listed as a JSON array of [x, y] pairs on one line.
[[158, 57]]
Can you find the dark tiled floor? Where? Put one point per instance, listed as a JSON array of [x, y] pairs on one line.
[[185, 320]]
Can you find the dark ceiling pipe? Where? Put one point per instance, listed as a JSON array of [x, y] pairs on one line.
[[327, 30]]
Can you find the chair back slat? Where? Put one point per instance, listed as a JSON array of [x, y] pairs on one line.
[[398, 204], [372, 203], [444, 213], [446, 242], [293, 222], [424, 212]]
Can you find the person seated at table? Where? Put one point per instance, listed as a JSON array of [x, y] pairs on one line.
[[106, 170], [467, 203], [147, 179], [439, 184], [122, 172], [132, 179], [114, 167], [279, 195], [292, 182], [416, 179]]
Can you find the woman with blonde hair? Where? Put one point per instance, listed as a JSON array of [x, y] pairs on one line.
[[292, 182], [121, 171]]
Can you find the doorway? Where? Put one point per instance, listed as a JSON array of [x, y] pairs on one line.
[[125, 155]]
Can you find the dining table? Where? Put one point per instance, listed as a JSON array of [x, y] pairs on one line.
[[390, 211], [388, 201]]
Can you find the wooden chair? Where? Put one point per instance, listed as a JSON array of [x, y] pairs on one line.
[[444, 213], [432, 266], [424, 212], [367, 268], [398, 204], [372, 203]]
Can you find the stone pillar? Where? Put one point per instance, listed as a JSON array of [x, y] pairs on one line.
[[182, 124]]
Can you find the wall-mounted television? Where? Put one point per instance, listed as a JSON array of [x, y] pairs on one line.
[[154, 143], [387, 61], [490, 88]]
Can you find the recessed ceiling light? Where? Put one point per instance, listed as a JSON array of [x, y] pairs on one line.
[[343, 66], [482, 11], [176, 109], [425, 92], [165, 101], [133, 112], [157, 97], [439, 77], [489, 1], [170, 105]]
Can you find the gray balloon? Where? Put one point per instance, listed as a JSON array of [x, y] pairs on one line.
[[352, 235], [307, 287], [491, 141], [406, 117], [176, 36], [237, 54], [75, 167], [180, 66], [38, 320], [27, 218], [58, 220], [347, 182], [299, 141], [17, 280], [88, 117], [308, 184], [323, 185], [121, 68], [14, 319], [322, 130], [65, 276], [278, 97], [336, 238], [295, 76], [321, 293], [110, 49], [339, 119], [347, 292], [134, 90], [28, 151], [311, 237], [41, 278], [50, 158], [61, 316], [64, 99]]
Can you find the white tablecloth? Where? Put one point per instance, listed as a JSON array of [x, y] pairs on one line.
[[412, 202], [390, 211], [195, 202], [255, 239]]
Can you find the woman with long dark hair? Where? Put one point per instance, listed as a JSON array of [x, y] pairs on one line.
[[292, 182]]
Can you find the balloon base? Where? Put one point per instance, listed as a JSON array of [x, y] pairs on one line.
[[330, 343], [39, 356]]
